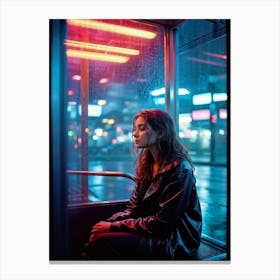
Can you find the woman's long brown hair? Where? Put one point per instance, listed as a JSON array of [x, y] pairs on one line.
[[169, 145]]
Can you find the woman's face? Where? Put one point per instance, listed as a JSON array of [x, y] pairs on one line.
[[143, 134]]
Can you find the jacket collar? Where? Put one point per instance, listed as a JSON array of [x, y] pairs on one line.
[[166, 166], [154, 186]]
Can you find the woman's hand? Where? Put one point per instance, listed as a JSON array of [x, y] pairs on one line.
[[101, 227]]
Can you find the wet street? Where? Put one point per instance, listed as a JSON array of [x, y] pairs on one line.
[[211, 188]]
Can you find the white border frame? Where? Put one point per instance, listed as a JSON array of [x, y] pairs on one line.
[[24, 238]]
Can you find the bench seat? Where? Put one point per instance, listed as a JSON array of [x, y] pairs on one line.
[[81, 217]]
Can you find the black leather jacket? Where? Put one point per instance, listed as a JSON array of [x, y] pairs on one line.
[[167, 213]]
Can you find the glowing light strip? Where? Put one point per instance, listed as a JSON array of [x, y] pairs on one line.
[[97, 56], [99, 47], [207, 61], [93, 24], [222, 56]]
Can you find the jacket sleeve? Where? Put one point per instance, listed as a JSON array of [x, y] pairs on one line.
[[175, 198], [132, 204]]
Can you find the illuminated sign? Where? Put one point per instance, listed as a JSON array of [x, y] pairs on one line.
[[201, 115], [93, 110], [205, 98], [223, 113], [161, 91]]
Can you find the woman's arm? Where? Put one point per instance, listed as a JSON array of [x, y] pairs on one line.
[[132, 204], [174, 201]]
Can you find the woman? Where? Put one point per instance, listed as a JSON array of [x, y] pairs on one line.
[[163, 217]]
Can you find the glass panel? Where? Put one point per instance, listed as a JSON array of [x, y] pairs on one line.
[[111, 75], [203, 100], [203, 114]]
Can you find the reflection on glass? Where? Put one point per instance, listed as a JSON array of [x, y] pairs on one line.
[[202, 53], [104, 94]]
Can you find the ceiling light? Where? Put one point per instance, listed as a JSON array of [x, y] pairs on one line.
[[98, 47], [97, 56], [109, 27]]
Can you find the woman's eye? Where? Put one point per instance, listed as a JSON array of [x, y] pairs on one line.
[[140, 128]]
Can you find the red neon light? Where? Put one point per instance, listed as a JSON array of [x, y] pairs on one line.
[[114, 28], [100, 47], [71, 92], [214, 118], [218, 55], [96, 56]]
